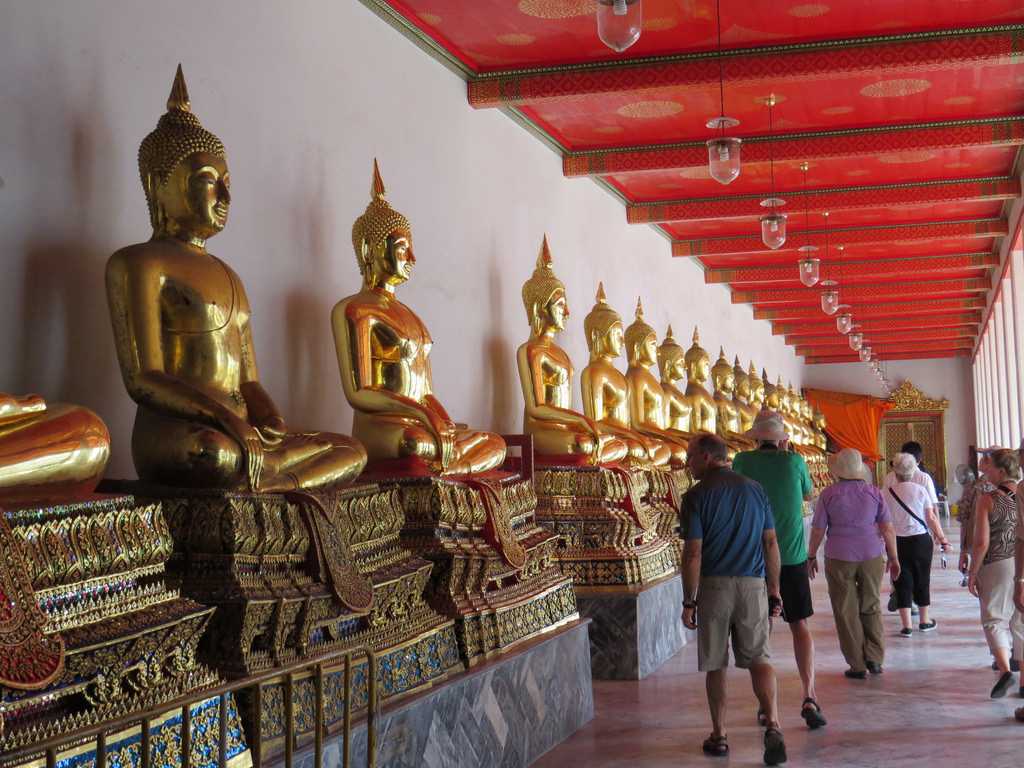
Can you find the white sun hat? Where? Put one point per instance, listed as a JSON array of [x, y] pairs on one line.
[[767, 426], [849, 465]]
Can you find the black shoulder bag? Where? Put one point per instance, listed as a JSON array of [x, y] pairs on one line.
[[907, 510]]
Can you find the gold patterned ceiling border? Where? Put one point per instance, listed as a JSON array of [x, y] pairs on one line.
[[906, 397]]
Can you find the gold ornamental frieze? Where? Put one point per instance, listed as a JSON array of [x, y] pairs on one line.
[[907, 397]]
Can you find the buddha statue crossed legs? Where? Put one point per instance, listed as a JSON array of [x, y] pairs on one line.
[[545, 372], [182, 330], [383, 355]]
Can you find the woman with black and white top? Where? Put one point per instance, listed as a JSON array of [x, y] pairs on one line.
[[913, 514]]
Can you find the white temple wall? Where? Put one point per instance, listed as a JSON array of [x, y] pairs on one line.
[[304, 95]]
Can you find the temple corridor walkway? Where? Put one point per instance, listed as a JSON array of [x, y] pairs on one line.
[[931, 703]]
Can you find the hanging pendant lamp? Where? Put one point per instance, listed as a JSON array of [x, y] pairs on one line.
[[773, 224], [724, 151], [855, 340], [619, 23], [865, 354], [810, 265], [844, 322]]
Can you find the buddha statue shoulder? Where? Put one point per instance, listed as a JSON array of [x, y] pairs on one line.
[[50, 453], [545, 372], [647, 401], [181, 322], [605, 389], [704, 410], [742, 397], [383, 351], [672, 367]]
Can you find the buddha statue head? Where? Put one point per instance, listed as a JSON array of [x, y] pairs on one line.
[[698, 362], [772, 393], [784, 401], [641, 340], [742, 381], [671, 359], [806, 412], [603, 328], [382, 239], [184, 173], [756, 387], [544, 296], [794, 401], [722, 376]]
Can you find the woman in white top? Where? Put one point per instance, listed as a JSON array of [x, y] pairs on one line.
[[913, 514]]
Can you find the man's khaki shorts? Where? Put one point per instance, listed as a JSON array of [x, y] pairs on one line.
[[735, 606]]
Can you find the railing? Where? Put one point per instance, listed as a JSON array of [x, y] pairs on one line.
[[143, 718]]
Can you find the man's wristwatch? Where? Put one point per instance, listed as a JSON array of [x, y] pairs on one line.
[[689, 603]]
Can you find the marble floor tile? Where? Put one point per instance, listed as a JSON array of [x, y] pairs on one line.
[[930, 706]]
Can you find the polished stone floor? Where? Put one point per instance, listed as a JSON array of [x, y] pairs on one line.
[[931, 705]]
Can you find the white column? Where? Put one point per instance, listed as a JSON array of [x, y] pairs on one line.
[[999, 354], [1012, 364]]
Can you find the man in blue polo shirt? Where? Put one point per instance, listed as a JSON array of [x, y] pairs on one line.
[[731, 568]]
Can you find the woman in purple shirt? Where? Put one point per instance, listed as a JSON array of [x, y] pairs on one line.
[[859, 531]]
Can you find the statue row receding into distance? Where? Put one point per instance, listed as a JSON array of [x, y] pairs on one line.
[[247, 543]]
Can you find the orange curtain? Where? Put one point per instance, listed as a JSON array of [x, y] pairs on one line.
[[853, 420]]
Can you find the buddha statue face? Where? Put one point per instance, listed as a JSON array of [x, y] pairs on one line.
[[641, 341], [556, 311], [805, 410], [742, 382], [391, 261], [671, 362], [612, 340], [723, 377], [698, 363], [193, 202], [819, 420], [756, 383], [603, 328]]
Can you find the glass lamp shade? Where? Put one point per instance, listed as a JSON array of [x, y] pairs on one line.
[[855, 340], [724, 159], [619, 23], [773, 230], [865, 354], [830, 301], [810, 271], [844, 322]]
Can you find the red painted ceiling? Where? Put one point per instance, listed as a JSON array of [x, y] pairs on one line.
[[882, 101]]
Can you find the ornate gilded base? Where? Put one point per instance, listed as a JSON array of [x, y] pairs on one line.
[[606, 523], [124, 747], [669, 488], [467, 529], [97, 568], [284, 571]]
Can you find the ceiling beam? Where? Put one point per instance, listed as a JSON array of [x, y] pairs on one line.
[[812, 146], [841, 347], [748, 244], [965, 322], [861, 271], [837, 340], [861, 294], [806, 64], [853, 358], [830, 199], [890, 308]]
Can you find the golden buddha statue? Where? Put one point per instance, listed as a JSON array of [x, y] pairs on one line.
[[756, 388], [52, 453], [648, 404], [704, 413], [672, 366], [820, 423], [742, 397], [605, 389], [545, 372], [787, 400], [383, 354], [182, 330], [722, 378]]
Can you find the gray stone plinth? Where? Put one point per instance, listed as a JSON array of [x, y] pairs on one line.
[[507, 712], [634, 630]]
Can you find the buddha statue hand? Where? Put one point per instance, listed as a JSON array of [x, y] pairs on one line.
[[251, 442], [14, 407]]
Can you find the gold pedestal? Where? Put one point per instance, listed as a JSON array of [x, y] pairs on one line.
[[287, 587], [608, 520], [494, 567], [130, 639]]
